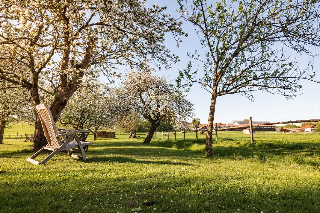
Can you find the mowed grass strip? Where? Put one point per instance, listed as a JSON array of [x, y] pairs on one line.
[[279, 174]]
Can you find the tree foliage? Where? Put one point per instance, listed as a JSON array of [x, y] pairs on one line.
[[318, 127], [196, 122], [48, 46], [245, 46]]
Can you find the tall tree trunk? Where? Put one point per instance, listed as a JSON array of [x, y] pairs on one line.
[[209, 150], [2, 126], [60, 102], [152, 129], [39, 138]]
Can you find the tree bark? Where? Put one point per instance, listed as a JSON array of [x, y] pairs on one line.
[[60, 102], [95, 136], [132, 134], [39, 138], [209, 150], [2, 126], [153, 127]]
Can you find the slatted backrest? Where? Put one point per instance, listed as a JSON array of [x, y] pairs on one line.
[[48, 125]]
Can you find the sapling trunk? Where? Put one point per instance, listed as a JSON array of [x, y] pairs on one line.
[[2, 126], [209, 150]]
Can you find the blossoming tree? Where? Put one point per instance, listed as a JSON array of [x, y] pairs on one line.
[[155, 99]]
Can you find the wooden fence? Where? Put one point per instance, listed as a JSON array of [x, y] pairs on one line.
[[27, 137]]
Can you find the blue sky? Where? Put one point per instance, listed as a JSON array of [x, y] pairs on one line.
[[266, 107]]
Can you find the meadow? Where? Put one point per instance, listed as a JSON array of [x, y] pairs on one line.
[[280, 173]]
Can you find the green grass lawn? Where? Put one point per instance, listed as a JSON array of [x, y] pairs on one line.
[[279, 174]]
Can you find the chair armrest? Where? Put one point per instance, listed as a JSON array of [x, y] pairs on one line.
[[66, 133], [83, 130]]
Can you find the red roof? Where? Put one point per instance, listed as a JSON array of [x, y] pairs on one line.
[[202, 125], [307, 126]]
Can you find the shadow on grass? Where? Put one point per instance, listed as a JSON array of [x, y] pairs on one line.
[[9, 154], [118, 159]]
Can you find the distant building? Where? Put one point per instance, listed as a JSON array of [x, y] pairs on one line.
[[263, 127], [204, 127], [309, 128], [243, 123]]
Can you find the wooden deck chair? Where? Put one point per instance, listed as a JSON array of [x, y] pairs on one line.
[[57, 141]]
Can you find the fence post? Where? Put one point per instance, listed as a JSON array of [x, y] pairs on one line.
[[17, 136], [175, 135], [216, 130], [168, 134], [251, 130], [184, 134]]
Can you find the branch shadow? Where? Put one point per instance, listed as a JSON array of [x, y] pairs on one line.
[[10, 154], [118, 159]]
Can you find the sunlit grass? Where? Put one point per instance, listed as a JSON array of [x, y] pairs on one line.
[[279, 174]]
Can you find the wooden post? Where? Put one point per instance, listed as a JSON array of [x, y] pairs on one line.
[[17, 136], [175, 135], [216, 130], [197, 134], [168, 134], [251, 130], [184, 134]]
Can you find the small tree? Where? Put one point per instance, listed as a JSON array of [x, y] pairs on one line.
[[154, 99], [290, 126], [196, 124], [244, 43]]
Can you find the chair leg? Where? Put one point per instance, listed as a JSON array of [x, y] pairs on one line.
[[37, 153], [80, 147], [49, 156], [83, 153]]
